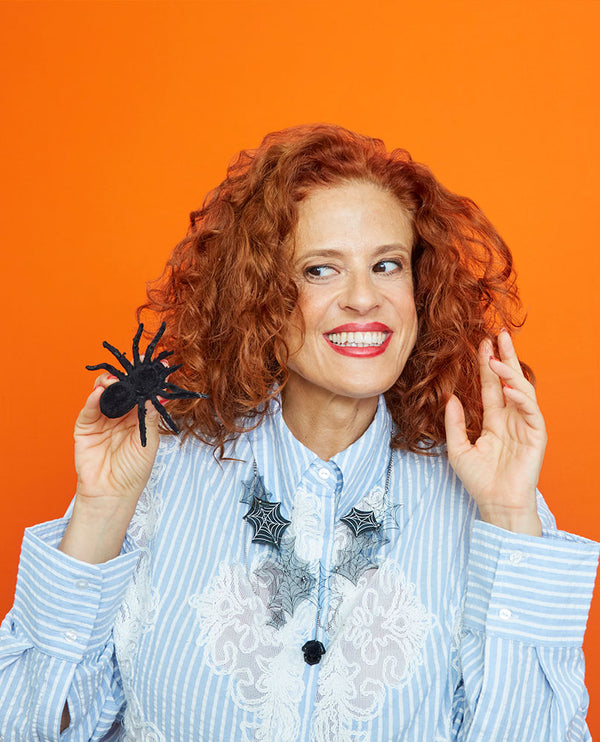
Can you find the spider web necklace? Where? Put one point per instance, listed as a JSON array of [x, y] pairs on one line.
[[289, 577]]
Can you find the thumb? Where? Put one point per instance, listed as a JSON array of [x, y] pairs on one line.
[[457, 440]]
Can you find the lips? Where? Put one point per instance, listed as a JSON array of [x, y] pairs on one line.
[[361, 340]]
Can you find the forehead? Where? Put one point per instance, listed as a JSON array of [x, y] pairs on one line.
[[352, 214]]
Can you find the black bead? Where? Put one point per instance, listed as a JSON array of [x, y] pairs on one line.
[[313, 651]]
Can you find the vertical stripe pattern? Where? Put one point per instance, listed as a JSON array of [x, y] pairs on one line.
[[451, 630]]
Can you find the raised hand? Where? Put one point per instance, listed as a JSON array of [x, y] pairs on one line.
[[501, 469], [109, 458], [112, 470]]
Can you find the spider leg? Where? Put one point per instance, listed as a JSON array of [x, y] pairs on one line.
[[125, 362], [176, 392], [164, 354], [165, 415], [170, 369], [154, 342], [136, 345], [142, 421], [183, 394], [107, 367]]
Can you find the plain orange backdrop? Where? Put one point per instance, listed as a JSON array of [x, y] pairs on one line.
[[117, 117]]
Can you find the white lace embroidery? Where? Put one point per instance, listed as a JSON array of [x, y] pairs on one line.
[[263, 663], [138, 610], [376, 644], [306, 519], [376, 632]]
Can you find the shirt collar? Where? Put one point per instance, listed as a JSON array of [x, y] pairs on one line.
[[283, 460]]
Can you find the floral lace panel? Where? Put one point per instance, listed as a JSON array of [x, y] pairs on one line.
[[375, 644], [263, 663], [375, 629], [377, 634]]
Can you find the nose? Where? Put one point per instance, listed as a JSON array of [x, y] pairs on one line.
[[360, 293]]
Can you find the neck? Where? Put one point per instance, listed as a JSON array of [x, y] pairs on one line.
[[323, 421]]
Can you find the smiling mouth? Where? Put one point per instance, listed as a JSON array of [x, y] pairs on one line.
[[357, 339]]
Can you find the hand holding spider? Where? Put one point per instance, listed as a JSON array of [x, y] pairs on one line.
[[114, 454]]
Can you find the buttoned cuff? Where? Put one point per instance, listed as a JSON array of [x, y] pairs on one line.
[[64, 606], [529, 589]]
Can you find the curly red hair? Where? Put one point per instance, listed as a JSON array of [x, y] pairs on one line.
[[227, 292]]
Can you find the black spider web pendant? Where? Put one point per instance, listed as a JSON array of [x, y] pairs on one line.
[[266, 520], [361, 521]]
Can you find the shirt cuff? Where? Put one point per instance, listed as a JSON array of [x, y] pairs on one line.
[[530, 589], [64, 606]]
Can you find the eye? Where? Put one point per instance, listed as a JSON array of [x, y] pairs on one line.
[[387, 266], [319, 271]]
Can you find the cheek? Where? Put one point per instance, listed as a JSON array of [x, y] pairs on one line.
[[309, 312]]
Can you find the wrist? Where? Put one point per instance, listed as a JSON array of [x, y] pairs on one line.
[[527, 523], [96, 531]]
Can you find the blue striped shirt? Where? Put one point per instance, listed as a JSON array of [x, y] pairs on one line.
[[436, 626]]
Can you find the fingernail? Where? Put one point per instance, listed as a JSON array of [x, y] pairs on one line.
[[110, 376]]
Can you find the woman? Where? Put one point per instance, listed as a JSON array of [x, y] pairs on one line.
[[367, 556]]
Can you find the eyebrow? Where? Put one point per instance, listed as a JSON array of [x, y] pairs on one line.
[[332, 252]]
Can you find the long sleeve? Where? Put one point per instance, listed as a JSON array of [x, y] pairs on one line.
[[525, 616], [56, 642]]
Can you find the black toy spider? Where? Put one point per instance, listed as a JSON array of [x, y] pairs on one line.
[[143, 381]]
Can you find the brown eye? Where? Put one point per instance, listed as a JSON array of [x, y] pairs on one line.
[[318, 271], [387, 266]]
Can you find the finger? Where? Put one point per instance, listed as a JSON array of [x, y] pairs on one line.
[[526, 406], [491, 386], [507, 351], [90, 412], [457, 440], [511, 377], [105, 380]]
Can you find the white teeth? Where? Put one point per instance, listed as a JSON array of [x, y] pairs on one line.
[[357, 339]]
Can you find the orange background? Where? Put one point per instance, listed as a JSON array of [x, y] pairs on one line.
[[116, 118]]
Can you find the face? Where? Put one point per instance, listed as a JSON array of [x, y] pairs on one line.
[[352, 265]]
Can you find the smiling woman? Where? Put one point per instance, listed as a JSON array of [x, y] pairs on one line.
[[355, 322], [368, 556]]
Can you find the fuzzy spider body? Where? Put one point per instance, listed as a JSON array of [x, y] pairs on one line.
[[142, 381]]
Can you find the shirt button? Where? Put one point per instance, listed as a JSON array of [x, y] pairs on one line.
[[505, 614], [81, 584], [324, 473], [516, 557], [70, 636]]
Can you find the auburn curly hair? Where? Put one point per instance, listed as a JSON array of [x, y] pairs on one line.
[[228, 291]]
